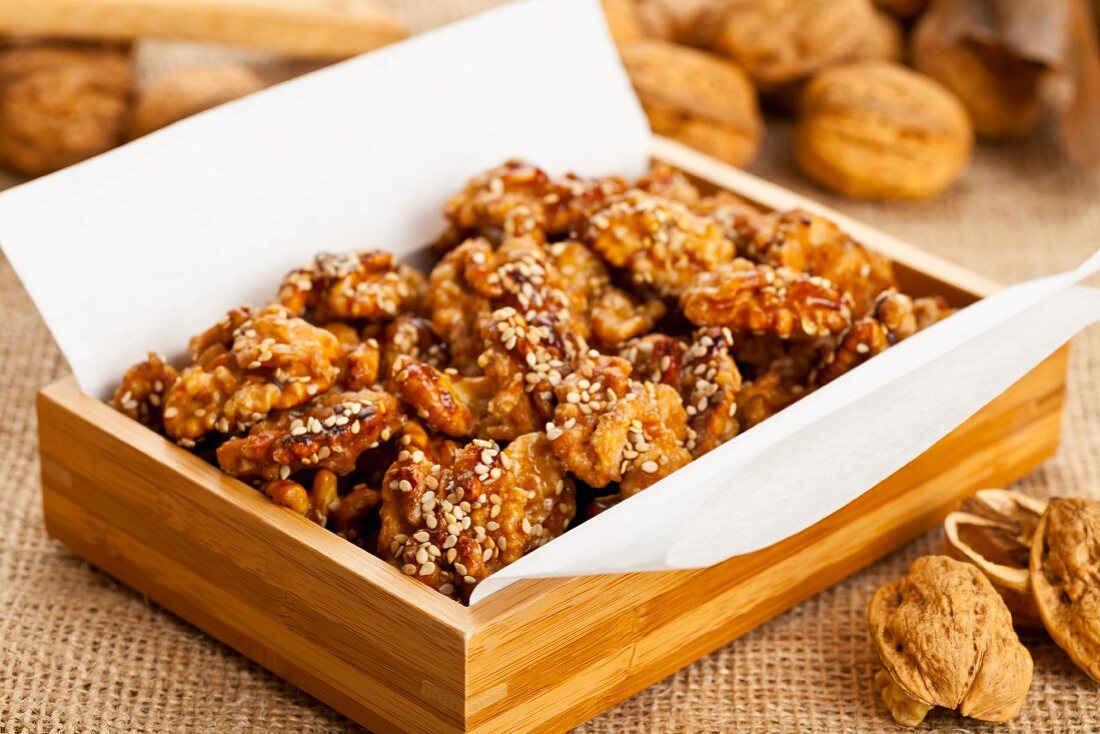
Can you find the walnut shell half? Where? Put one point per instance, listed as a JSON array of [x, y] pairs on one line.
[[60, 104], [1065, 578], [945, 638], [878, 130], [698, 98], [993, 530]]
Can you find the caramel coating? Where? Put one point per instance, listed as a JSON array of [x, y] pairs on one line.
[[246, 366], [328, 432], [518, 199], [661, 243], [366, 284], [609, 428], [763, 397], [810, 244], [760, 299], [451, 527], [141, 393], [61, 104]]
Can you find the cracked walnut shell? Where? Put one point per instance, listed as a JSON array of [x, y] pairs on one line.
[[945, 638], [993, 530], [60, 105], [697, 98], [877, 130], [1065, 578]]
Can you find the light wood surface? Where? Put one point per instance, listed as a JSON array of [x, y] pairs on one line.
[[539, 656], [301, 28]]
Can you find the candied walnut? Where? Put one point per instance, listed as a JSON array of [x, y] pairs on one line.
[[474, 280], [449, 403], [665, 181], [328, 432], [894, 317], [365, 284], [411, 336], [709, 385], [807, 243], [245, 367], [661, 243], [1065, 578], [704, 373], [759, 299], [289, 494], [361, 365], [945, 638], [613, 315], [609, 428], [356, 514], [993, 530], [141, 393], [452, 527], [518, 199], [766, 395], [735, 217]]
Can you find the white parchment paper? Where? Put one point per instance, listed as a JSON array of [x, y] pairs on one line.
[[143, 246], [146, 245]]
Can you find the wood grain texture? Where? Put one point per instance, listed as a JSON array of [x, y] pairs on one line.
[[539, 656], [304, 29]]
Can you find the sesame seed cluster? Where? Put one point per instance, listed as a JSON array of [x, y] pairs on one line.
[[577, 341]]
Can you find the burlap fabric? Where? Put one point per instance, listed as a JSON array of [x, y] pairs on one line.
[[81, 653]]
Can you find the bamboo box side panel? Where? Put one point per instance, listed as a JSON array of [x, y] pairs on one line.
[[299, 600]]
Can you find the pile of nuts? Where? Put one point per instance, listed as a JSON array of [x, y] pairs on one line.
[[868, 125], [944, 633], [62, 103]]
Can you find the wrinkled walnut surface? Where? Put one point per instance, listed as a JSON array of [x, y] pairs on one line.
[[1065, 578], [945, 638]]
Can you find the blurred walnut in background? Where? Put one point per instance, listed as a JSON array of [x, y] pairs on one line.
[[879, 130], [60, 104], [186, 91], [700, 99]]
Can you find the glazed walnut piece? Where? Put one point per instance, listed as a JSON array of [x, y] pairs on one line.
[[609, 428], [141, 394], [328, 432], [806, 243], [706, 376], [759, 299], [518, 199], [661, 243], [1065, 578], [365, 284], [249, 364], [945, 638], [451, 527]]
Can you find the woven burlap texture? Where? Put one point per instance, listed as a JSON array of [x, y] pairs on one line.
[[79, 652]]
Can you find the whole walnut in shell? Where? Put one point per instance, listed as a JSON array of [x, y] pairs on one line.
[[1065, 578], [61, 104], [884, 40], [945, 638], [187, 91], [697, 98], [877, 130], [1001, 91], [779, 41]]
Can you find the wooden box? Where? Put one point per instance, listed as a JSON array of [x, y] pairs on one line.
[[538, 656]]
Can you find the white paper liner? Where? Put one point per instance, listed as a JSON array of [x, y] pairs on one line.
[[146, 245]]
